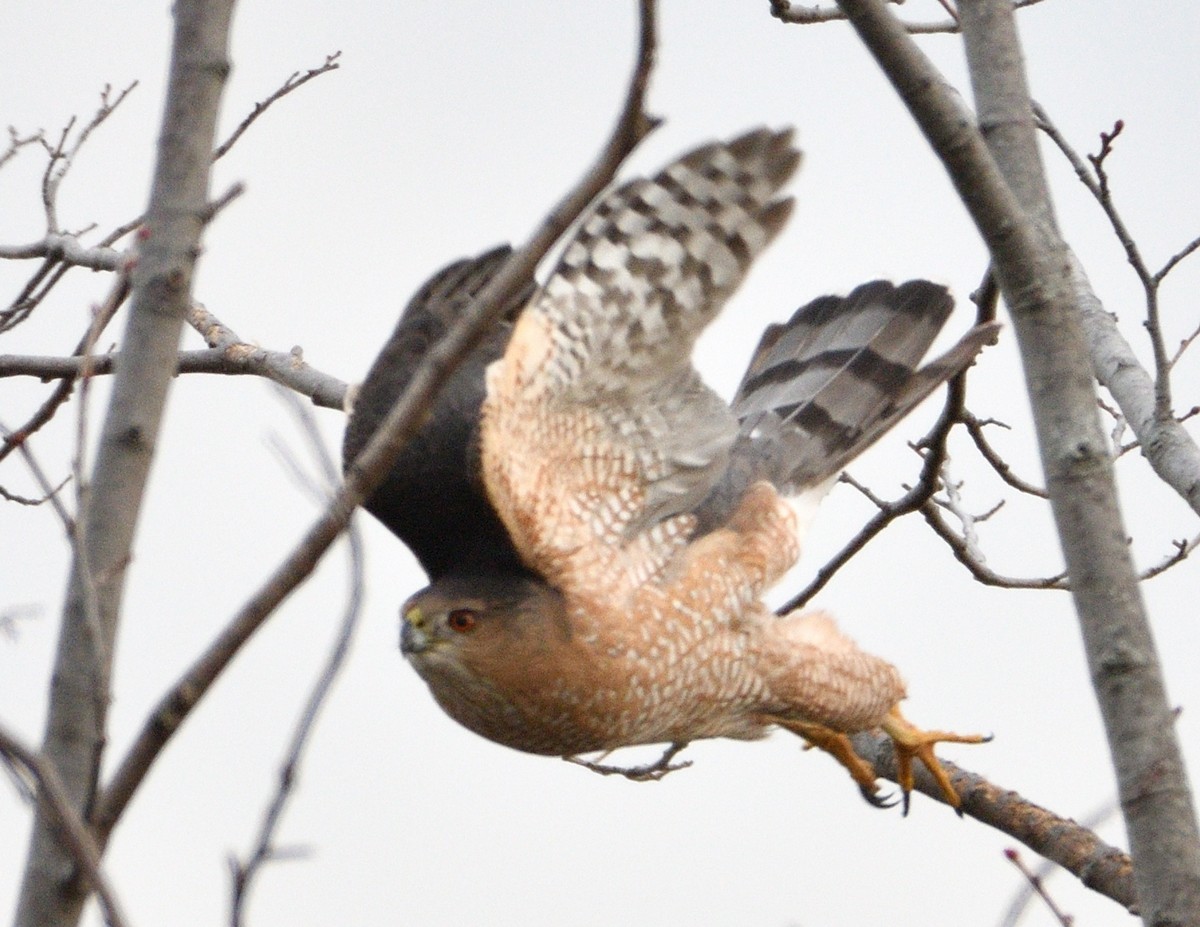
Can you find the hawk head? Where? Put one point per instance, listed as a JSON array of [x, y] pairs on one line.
[[489, 646]]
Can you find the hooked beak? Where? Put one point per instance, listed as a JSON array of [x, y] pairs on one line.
[[414, 633]]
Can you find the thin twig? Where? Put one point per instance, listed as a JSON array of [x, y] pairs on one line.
[[787, 12], [1038, 887], [74, 835], [1186, 251], [294, 81], [980, 571], [1185, 343], [61, 158], [1183, 549], [1046, 868], [288, 368], [50, 493], [25, 500], [1096, 181], [265, 849], [43, 280], [975, 427], [16, 142], [104, 314]]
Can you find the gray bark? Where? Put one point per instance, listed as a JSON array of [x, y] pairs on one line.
[[1165, 444], [1152, 782], [52, 894], [1010, 204]]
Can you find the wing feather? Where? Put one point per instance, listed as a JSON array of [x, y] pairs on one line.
[[596, 397]]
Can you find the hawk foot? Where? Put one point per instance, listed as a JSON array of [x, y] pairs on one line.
[[650, 772], [838, 745], [911, 743]]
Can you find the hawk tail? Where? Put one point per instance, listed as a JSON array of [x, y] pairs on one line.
[[825, 385]]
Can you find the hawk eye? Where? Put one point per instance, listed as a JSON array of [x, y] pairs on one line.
[[462, 620]]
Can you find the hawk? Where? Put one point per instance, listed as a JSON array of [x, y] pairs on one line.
[[599, 527]]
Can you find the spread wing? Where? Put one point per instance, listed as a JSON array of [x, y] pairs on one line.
[[433, 498], [598, 436]]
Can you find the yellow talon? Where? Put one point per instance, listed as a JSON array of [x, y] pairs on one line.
[[913, 742]]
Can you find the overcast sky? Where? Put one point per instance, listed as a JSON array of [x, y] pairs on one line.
[[451, 127]]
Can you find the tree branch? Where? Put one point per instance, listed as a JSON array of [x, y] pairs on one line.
[[104, 314], [1170, 450], [55, 805], [1077, 849], [294, 81], [265, 849], [787, 12], [372, 464]]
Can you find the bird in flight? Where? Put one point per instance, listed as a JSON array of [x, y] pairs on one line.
[[599, 527]]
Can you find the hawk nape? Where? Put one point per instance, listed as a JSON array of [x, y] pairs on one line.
[[611, 525]]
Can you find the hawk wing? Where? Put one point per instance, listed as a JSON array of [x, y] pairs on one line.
[[598, 436], [433, 497]]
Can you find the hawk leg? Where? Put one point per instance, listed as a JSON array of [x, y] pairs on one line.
[[911, 742]]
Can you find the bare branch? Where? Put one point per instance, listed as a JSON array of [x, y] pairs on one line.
[[117, 295], [293, 82], [1045, 868], [237, 357], [62, 157], [1172, 262], [265, 849], [16, 142], [214, 208], [1097, 183], [54, 802], [1183, 549], [1100, 867], [995, 166], [66, 249], [1038, 887], [787, 12], [954, 504], [287, 368], [25, 500], [1185, 343], [979, 570], [975, 428], [372, 464], [49, 492], [44, 279]]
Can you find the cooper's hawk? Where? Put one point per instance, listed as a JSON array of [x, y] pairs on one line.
[[600, 533]]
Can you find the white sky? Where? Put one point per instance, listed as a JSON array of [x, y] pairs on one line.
[[449, 128]]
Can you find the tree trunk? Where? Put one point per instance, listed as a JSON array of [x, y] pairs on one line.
[[1011, 206], [52, 893]]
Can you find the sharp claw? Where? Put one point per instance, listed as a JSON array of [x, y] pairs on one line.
[[875, 799]]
